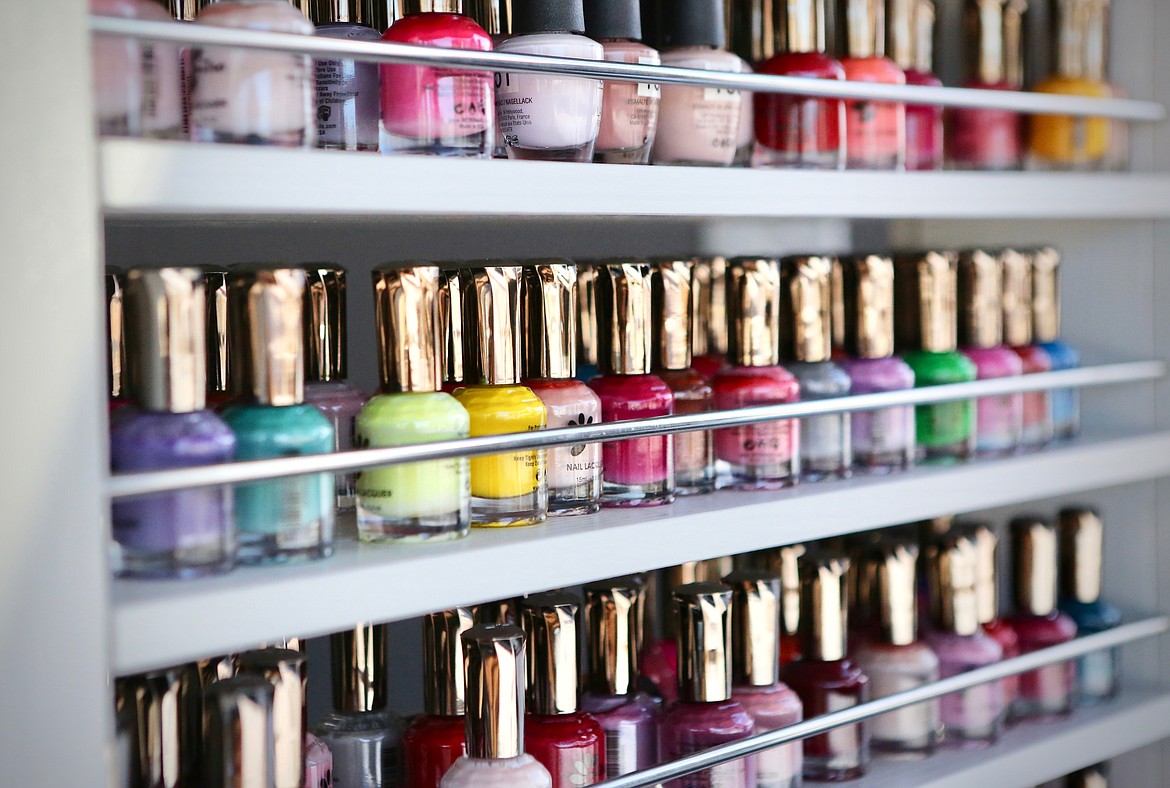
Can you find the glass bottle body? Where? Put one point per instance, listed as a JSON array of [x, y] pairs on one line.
[[1009, 642], [365, 747], [522, 771], [911, 731], [1097, 672], [340, 403], [419, 500], [185, 533], [1038, 426], [629, 110], [826, 442], [699, 126], [799, 131], [875, 131], [883, 440], [638, 471], [946, 430], [347, 94], [574, 472], [1065, 403], [972, 718], [823, 687], [766, 455], [984, 139], [773, 707], [694, 452], [1061, 142], [999, 420], [318, 763], [283, 519], [430, 747], [506, 489], [1047, 692], [924, 127], [630, 723], [659, 667], [688, 727], [570, 746], [434, 110]]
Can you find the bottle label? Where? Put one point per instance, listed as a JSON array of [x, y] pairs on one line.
[[779, 766], [825, 442], [530, 110], [911, 726], [225, 99], [650, 90], [347, 103], [758, 445], [883, 432]]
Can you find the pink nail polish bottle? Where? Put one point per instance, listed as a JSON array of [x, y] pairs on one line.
[[1039, 429], [911, 47], [987, 602], [638, 471]]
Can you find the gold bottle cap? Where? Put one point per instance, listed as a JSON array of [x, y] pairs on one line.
[[187, 10], [550, 630], [411, 7], [265, 319], [1082, 542], [613, 620], [802, 25], [216, 668], [985, 33], [897, 591], [925, 291], [450, 308], [624, 342], [671, 300], [217, 321], [716, 322], [115, 335], [491, 325], [409, 331], [1017, 298], [986, 574], [867, 305], [359, 668], [501, 611], [165, 342], [494, 16], [935, 528], [586, 314], [358, 12], [1096, 776], [493, 664], [700, 305], [837, 304], [863, 28], [902, 32], [703, 612], [1034, 551], [752, 29], [861, 581], [325, 322], [924, 36], [755, 627], [789, 560], [953, 574], [753, 312], [1013, 43], [163, 708], [823, 611], [286, 670], [550, 333], [239, 744], [980, 296], [806, 303], [1071, 17], [443, 691], [1096, 37], [1045, 294]]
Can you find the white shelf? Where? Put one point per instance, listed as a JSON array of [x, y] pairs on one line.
[[148, 179], [1031, 754], [165, 623]]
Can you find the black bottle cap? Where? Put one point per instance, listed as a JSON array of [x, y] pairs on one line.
[[693, 23], [547, 16], [613, 19]]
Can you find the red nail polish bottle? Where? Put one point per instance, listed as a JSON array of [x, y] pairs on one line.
[[911, 44], [1038, 430], [709, 316], [987, 600], [875, 130]]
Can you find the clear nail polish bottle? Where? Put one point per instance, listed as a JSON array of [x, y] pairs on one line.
[[347, 90]]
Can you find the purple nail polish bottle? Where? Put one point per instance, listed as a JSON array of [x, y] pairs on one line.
[[185, 533]]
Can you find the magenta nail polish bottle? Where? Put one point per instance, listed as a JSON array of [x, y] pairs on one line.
[[706, 715], [987, 602], [755, 669], [186, 533], [911, 45], [639, 471], [1038, 430]]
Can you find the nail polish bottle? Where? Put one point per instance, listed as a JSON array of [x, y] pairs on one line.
[[437, 111], [506, 489], [627, 714], [800, 131], [586, 322], [450, 307], [568, 742], [1045, 693], [574, 472], [826, 442], [185, 533], [347, 90], [1065, 403], [1039, 429], [706, 715], [883, 440], [824, 677], [137, 89], [278, 519], [765, 455], [788, 560], [658, 653], [629, 110], [638, 471], [286, 671], [988, 139], [699, 126], [911, 47], [709, 330], [362, 733], [875, 131], [318, 763], [1081, 556], [863, 603], [434, 740], [249, 96], [493, 658], [925, 291], [221, 388], [495, 17], [755, 673], [413, 501], [897, 661], [1060, 142], [694, 457], [972, 718], [999, 420], [162, 711], [238, 743], [326, 367], [549, 116], [115, 279], [987, 602], [1095, 776]]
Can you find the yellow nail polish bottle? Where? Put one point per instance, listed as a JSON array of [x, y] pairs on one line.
[[511, 488]]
